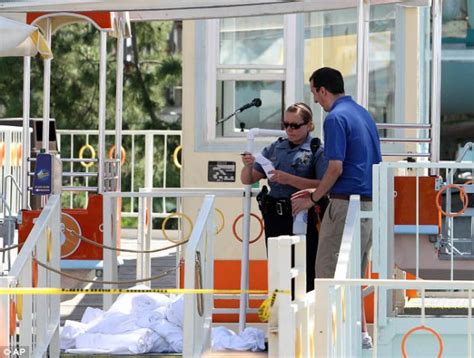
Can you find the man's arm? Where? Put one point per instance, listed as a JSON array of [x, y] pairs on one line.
[[303, 199], [333, 173]]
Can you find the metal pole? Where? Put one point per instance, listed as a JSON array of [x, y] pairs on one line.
[[26, 131], [102, 108], [436, 79], [46, 90], [119, 106], [363, 10]]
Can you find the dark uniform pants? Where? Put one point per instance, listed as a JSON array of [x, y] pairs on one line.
[[276, 225]]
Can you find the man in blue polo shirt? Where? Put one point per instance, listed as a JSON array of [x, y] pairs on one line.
[[352, 147]]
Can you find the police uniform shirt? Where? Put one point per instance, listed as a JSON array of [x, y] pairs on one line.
[[297, 160]]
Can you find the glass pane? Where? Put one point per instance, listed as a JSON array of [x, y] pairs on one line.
[[247, 41], [231, 95], [331, 40]]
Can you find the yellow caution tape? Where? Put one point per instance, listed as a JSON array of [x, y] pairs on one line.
[[265, 309], [115, 291]]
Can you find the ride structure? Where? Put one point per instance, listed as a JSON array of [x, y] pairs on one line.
[[411, 235]]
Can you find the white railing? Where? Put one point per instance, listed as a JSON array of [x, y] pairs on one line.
[[37, 316], [290, 326], [199, 274], [141, 162], [11, 162], [146, 199], [451, 336], [338, 309]]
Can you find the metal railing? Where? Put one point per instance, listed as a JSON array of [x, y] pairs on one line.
[[11, 162], [140, 166], [199, 274], [37, 317], [290, 327], [338, 312]]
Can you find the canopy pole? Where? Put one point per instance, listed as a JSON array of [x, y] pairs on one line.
[[102, 108], [26, 131], [46, 90], [119, 105]]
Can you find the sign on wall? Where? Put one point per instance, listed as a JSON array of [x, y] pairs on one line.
[[221, 171]]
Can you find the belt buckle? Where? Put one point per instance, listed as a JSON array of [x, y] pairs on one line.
[[279, 208]]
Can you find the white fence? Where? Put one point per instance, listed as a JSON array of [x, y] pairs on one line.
[[290, 327], [11, 149], [36, 326], [199, 274], [140, 162]]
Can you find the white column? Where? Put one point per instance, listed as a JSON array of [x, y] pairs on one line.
[[26, 131], [119, 106], [102, 108], [46, 90], [363, 10], [436, 80]]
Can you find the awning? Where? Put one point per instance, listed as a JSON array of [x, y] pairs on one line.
[[19, 39]]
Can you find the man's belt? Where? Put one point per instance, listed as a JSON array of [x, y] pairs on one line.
[[348, 197]]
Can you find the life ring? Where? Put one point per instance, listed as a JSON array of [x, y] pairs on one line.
[[13, 155], [19, 154], [234, 227], [34, 273], [221, 214], [123, 154], [12, 318], [175, 156], [163, 227], [81, 155], [462, 195], [19, 307], [422, 328]]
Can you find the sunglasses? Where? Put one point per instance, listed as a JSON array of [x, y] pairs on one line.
[[293, 125]]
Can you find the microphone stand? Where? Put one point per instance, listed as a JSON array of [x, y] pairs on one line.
[[228, 117]]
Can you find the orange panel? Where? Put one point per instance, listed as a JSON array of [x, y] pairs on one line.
[[405, 201], [227, 276], [89, 220], [103, 20]]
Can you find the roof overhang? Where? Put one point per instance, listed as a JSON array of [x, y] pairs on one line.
[[145, 10]]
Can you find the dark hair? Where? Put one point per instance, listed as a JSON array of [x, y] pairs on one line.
[[328, 78], [303, 111]]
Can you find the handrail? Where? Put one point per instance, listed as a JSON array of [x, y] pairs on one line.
[[199, 273], [39, 318]]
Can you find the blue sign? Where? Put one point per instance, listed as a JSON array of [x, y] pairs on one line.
[[43, 175]]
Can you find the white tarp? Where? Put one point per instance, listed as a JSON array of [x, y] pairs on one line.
[[19, 39]]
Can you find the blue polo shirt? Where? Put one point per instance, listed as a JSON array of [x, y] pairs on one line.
[[297, 160], [351, 136]]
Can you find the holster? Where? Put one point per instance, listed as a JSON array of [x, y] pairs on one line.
[[262, 200]]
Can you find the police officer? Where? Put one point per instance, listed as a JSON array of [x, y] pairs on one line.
[[299, 163]]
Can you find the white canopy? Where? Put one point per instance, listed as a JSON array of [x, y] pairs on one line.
[[19, 39]]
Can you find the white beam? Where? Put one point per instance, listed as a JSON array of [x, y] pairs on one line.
[[146, 10]]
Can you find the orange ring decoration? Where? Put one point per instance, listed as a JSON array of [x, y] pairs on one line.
[[234, 227], [2, 153], [13, 155], [34, 273], [19, 153], [462, 195], [12, 317], [421, 328], [123, 154]]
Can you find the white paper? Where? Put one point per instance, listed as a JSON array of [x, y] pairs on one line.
[[266, 164]]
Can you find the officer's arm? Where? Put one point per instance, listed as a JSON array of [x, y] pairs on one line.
[[249, 175]]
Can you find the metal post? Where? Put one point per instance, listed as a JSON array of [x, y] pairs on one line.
[[436, 80], [26, 130], [363, 22], [102, 108], [46, 90], [119, 107]]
